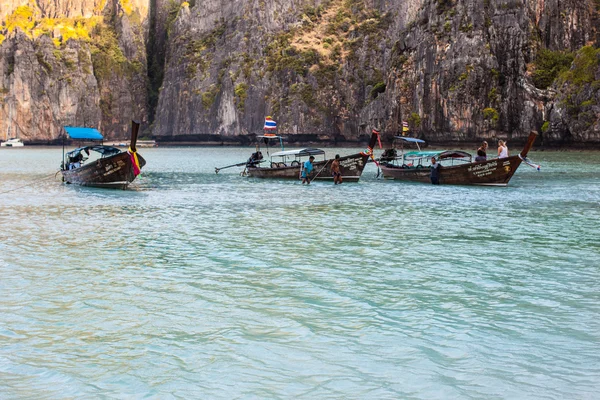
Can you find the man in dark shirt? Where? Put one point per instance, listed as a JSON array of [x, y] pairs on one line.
[[435, 171]]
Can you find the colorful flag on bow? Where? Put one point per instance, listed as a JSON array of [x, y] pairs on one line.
[[270, 124], [405, 126], [135, 163]]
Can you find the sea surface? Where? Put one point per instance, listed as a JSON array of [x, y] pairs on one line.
[[195, 285]]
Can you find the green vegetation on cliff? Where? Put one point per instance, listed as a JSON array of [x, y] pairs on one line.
[[107, 56], [59, 29], [579, 84], [548, 66]]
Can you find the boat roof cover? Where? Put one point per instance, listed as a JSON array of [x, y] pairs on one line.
[[440, 154], [410, 139], [106, 151], [77, 132], [299, 153]]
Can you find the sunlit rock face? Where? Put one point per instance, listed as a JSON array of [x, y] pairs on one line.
[[71, 63], [456, 70]]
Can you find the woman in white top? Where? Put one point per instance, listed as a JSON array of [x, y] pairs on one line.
[[502, 149]]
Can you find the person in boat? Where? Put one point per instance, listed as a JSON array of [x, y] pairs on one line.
[[434, 174], [335, 170], [254, 159], [308, 167], [75, 161], [502, 149], [482, 152]]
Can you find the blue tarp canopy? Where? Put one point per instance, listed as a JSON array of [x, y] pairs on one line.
[[76, 132]]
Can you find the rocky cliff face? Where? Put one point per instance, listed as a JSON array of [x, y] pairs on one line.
[[71, 63], [455, 70]]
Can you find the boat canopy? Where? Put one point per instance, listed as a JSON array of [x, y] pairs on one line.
[[409, 139], [76, 132], [106, 151], [299, 153], [440, 155]]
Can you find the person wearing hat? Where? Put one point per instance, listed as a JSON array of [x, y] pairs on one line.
[[308, 167]]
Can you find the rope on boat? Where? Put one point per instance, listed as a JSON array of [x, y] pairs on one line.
[[315, 177], [31, 183]]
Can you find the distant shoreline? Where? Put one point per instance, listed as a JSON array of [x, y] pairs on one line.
[[462, 146], [290, 141]]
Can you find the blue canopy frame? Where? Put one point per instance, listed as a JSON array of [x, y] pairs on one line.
[[81, 133]]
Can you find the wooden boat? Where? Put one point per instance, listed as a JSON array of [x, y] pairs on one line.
[[113, 168], [456, 167], [288, 164]]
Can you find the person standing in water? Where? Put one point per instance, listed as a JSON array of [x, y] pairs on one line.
[[502, 149], [435, 172], [335, 170], [308, 167]]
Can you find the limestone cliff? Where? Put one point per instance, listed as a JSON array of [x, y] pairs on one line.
[[455, 70], [71, 63]]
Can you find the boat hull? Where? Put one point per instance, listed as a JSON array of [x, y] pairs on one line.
[[115, 172], [12, 143], [351, 168], [496, 172]]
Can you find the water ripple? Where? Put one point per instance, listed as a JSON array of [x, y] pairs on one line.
[[197, 285]]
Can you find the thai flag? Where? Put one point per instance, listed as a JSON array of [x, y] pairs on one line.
[[270, 124]]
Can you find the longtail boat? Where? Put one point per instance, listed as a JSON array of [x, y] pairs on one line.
[[110, 167], [456, 166], [288, 164]]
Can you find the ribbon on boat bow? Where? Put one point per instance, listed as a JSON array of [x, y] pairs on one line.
[[531, 164], [134, 162]]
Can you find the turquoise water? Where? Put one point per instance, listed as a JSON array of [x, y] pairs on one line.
[[197, 285]]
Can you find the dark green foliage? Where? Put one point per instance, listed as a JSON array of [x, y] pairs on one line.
[[241, 95], [208, 97], [306, 94], [414, 120], [378, 88], [549, 65], [172, 13], [585, 66], [493, 95], [281, 56], [42, 61], [545, 126], [579, 83], [70, 64], [314, 13], [444, 5], [336, 53], [107, 56], [466, 28], [511, 5], [491, 114], [326, 74]]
